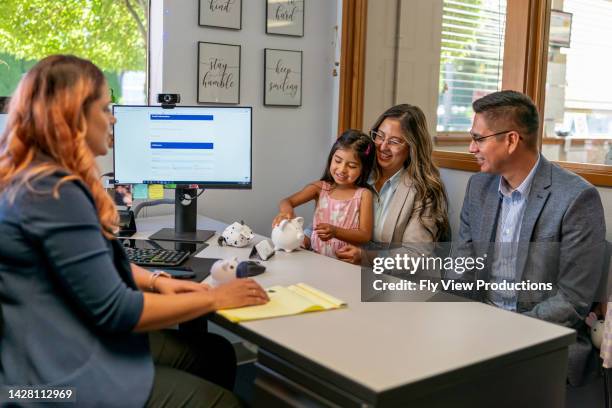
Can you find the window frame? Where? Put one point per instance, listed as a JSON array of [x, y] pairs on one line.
[[525, 63]]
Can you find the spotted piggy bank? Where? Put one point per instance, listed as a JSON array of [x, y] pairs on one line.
[[238, 235], [288, 235]]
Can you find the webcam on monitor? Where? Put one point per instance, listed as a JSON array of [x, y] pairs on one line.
[[168, 98]]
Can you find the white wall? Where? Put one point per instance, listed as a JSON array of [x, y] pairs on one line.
[[402, 57], [290, 145], [418, 56], [381, 48]]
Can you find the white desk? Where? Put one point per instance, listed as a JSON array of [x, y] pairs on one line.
[[393, 354]]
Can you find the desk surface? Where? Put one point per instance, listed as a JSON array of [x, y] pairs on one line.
[[377, 347]]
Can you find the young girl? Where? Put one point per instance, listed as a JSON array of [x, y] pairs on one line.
[[343, 213]]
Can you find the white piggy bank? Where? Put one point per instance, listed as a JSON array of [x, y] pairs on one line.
[[289, 234], [223, 271]]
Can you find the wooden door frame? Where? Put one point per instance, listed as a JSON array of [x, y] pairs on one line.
[[352, 64]]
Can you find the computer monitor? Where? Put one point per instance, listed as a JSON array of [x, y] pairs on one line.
[[207, 146]]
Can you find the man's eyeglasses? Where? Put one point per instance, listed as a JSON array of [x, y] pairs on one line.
[[478, 139], [379, 137]]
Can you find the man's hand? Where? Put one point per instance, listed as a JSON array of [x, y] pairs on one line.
[[306, 243]]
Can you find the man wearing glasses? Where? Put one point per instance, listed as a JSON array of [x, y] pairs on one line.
[[535, 221]]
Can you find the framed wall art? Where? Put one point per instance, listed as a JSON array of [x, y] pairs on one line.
[[218, 73], [282, 77], [285, 17], [220, 13]]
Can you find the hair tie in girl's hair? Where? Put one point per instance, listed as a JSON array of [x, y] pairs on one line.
[[367, 152]]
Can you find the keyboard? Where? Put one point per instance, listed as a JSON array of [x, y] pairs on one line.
[[156, 257]]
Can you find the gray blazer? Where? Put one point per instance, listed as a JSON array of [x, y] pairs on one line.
[[562, 241]]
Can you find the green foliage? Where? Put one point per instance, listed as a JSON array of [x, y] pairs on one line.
[[103, 31], [12, 69], [11, 72], [114, 83]]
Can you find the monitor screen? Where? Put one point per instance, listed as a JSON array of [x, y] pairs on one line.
[[205, 145], [3, 119]]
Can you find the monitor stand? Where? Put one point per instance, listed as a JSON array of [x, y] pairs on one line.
[[185, 220]]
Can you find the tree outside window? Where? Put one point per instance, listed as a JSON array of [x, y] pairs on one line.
[[110, 33]]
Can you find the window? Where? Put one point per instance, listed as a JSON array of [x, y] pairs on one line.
[[487, 45], [471, 62], [112, 34], [578, 103]]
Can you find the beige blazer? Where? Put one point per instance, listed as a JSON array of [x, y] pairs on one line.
[[402, 224]]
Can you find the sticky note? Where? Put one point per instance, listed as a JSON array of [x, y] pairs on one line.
[[169, 186], [156, 191], [140, 192]]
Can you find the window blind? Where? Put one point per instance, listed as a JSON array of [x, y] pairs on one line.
[[471, 59], [589, 57]]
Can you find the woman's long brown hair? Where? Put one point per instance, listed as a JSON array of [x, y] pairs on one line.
[[420, 165], [46, 129]]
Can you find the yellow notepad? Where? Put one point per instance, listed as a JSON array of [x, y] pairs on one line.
[[292, 300]]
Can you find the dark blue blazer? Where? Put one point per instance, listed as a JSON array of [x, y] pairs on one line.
[[69, 302]]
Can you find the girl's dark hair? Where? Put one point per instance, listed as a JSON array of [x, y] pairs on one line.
[[363, 146]]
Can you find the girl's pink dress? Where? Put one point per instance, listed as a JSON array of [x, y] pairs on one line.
[[341, 213]]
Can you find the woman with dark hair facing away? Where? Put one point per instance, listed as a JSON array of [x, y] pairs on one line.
[[410, 205], [343, 213], [75, 312]]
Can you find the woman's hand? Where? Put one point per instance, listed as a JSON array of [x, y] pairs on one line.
[[350, 254], [306, 243], [282, 216], [325, 231], [167, 286], [238, 293]]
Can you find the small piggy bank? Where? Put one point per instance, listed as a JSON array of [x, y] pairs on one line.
[[238, 235], [288, 235], [223, 271], [597, 329]]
